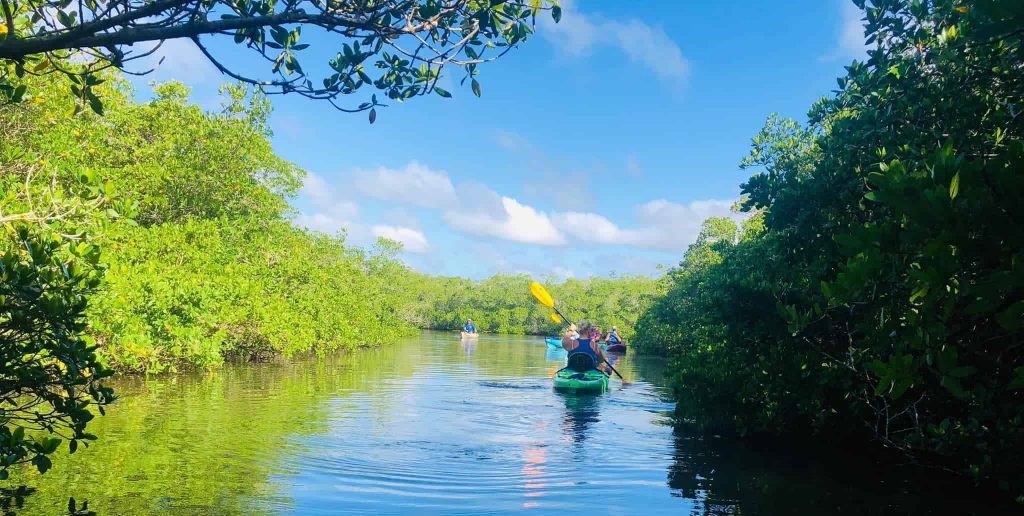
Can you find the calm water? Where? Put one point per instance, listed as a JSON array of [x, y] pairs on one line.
[[432, 425]]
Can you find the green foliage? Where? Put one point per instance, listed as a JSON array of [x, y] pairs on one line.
[[394, 48], [876, 293], [49, 265], [502, 304], [210, 266]]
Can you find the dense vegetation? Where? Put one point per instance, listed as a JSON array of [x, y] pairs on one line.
[[502, 304], [208, 265], [877, 291]]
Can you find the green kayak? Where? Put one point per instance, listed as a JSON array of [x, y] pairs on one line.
[[567, 380]]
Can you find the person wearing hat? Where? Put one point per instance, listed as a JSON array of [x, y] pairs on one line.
[[469, 328], [613, 336], [571, 332]]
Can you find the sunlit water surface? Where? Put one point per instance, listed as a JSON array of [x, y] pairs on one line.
[[431, 425]]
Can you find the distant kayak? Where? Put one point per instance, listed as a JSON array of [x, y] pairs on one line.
[[467, 336], [616, 348], [554, 342], [592, 381]]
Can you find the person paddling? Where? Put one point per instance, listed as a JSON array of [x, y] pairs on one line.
[[613, 336], [571, 332], [469, 328], [583, 346]]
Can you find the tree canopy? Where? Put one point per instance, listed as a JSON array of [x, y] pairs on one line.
[[395, 47]]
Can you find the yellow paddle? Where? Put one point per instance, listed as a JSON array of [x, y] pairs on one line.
[[556, 318], [541, 294]]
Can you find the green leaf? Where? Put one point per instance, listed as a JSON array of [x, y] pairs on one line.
[[96, 104], [1017, 383], [556, 13], [954, 186], [18, 435], [442, 92], [50, 444], [962, 372], [42, 463], [954, 387], [1010, 319], [476, 87], [280, 35]]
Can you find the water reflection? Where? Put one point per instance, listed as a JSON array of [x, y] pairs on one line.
[[433, 426], [533, 472], [554, 354], [582, 411], [727, 478]]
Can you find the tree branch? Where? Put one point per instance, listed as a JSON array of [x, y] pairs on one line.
[[19, 48]]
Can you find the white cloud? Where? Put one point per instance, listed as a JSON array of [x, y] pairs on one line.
[[563, 273], [652, 47], [182, 62], [663, 225], [512, 141], [850, 39], [323, 222], [578, 34], [414, 184], [331, 214], [506, 219], [633, 166], [851, 36], [318, 190], [412, 240], [575, 33], [332, 217]]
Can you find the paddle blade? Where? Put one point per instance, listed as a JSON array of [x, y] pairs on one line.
[[541, 294], [556, 318]]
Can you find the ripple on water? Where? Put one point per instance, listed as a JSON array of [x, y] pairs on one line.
[[458, 438]]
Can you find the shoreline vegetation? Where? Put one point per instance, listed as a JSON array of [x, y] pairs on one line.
[[874, 296]]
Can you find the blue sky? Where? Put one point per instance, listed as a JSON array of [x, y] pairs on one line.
[[599, 145]]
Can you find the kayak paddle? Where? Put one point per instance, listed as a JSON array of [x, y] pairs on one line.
[[541, 295]]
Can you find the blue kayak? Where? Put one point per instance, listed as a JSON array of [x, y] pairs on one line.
[[554, 342]]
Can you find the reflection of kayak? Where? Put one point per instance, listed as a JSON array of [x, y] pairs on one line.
[[554, 342], [567, 380], [556, 355], [616, 348], [467, 336]]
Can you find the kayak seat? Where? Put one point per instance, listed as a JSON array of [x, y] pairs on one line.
[[581, 362]]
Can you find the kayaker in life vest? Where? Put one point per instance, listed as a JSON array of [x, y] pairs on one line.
[[469, 328], [613, 336], [584, 345]]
